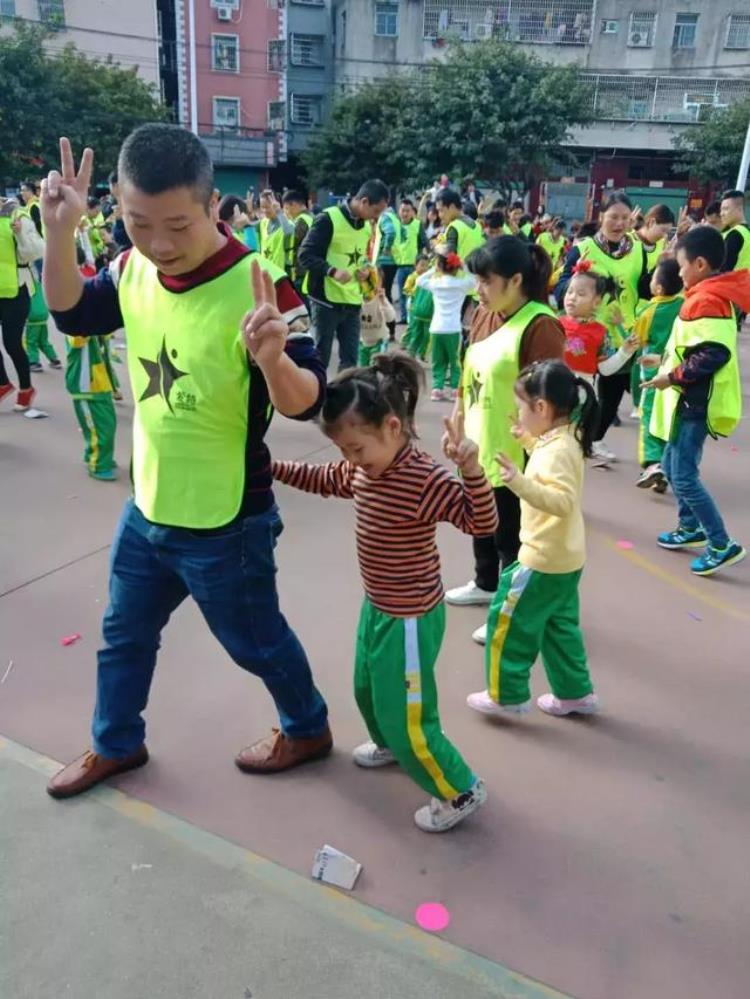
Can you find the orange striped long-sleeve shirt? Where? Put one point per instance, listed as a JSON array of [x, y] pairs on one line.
[[397, 518]]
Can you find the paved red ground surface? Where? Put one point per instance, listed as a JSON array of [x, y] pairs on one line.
[[611, 859]]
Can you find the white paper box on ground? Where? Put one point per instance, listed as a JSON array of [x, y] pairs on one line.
[[335, 868]]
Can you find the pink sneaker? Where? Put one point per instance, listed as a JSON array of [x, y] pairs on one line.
[[436, 395], [551, 705], [482, 702]]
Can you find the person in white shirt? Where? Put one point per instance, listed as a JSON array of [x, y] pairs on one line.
[[449, 285]]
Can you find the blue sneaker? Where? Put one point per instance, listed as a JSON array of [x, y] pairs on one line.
[[714, 559], [682, 538], [108, 476]]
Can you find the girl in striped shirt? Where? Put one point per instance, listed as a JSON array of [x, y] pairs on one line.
[[400, 495]]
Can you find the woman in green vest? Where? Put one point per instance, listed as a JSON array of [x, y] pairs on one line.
[[657, 223], [410, 242], [512, 277], [617, 255], [16, 288], [276, 230]]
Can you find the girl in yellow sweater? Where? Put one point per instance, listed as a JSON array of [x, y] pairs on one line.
[[536, 607]]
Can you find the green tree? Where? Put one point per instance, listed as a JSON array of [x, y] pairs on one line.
[[44, 96], [488, 110], [712, 151]]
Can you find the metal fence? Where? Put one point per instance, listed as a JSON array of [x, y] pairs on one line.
[[535, 22], [662, 98]]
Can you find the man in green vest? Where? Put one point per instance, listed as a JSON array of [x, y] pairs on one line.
[[736, 232], [462, 234], [700, 394], [294, 204], [210, 356], [411, 240], [334, 255], [276, 231]]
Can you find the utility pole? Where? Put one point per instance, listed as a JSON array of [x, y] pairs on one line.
[[744, 163], [193, 75]]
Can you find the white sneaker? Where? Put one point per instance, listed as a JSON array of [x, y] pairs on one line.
[[635, 414], [601, 456], [469, 595], [439, 816], [371, 755], [482, 702], [551, 705], [480, 635]]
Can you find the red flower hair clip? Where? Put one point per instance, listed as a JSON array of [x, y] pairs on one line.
[[583, 267], [453, 261]]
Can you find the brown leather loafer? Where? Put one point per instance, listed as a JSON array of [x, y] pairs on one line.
[[278, 752], [91, 769]]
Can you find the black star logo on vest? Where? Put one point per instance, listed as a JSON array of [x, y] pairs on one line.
[[474, 389], [162, 375], [353, 258]]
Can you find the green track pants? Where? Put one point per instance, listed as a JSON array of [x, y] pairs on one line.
[[37, 338], [97, 418], [417, 338], [394, 686], [445, 348], [535, 612], [650, 448], [366, 354]]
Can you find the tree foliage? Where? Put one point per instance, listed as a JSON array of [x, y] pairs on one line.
[[45, 95], [488, 110], [712, 151]]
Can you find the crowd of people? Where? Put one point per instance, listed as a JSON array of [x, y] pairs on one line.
[[232, 312]]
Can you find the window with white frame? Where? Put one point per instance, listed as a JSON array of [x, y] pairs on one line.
[[306, 50], [306, 109], [227, 113], [738, 32], [386, 18], [225, 53], [276, 51], [642, 29], [685, 30]]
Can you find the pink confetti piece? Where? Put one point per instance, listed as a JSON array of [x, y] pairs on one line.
[[625, 546], [71, 639], [733, 448], [432, 916]]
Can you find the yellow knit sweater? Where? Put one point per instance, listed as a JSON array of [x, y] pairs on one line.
[[552, 532]]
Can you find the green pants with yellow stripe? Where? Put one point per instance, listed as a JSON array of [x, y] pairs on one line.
[[97, 419], [650, 448], [394, 686], [535, 612]]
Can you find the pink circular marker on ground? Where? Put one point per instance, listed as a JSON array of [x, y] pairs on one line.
[[432, 916], [625, 545]]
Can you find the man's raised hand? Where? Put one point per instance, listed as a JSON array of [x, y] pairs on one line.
[[64, 191], [264, 329]]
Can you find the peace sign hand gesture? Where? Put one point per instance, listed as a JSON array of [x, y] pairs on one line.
[[459, 448], [508, 468], [264, 329], [63, 200]]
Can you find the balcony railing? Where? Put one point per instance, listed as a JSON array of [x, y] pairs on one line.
[[529, 22], [662, 98], [246, 147]]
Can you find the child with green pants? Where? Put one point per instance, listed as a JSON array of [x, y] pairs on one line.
[[37, 333], [88, 382], [535, 609], [400, 496], [421, 307], [449, 286]]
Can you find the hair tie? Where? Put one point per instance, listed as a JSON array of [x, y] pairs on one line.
[[583, 267], [453, 261]]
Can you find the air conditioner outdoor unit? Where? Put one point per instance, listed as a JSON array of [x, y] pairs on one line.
[[224, 13], [482, 31], [610, 27], [638, 40]]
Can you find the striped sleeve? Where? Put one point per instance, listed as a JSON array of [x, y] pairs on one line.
[[469, 504], [332, 479]]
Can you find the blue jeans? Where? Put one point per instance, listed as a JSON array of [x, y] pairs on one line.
[[341, 321], [230, 574], [680, 463], [401, 275]]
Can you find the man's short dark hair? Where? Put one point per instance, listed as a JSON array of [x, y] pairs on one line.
[[516, 205], [294, 198], [448, 197], [409, 202], [92, 201], [668, 276], [159, 157], [703, 241], [713, 208], [373, 191], [227, 205], [733, 196], [494, 220]]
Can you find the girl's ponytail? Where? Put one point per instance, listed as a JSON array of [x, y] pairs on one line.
[[403, 373], [587, 416], [536, 278], [390, 386]]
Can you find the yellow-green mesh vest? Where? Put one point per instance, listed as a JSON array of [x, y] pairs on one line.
[[743, 260], [490, 371], [626, 273], [468, 237], [291, 262], [348, 247], [191, 382], [554, 250], [272, 245], [725, 397], [8, 266], [406, 247]]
